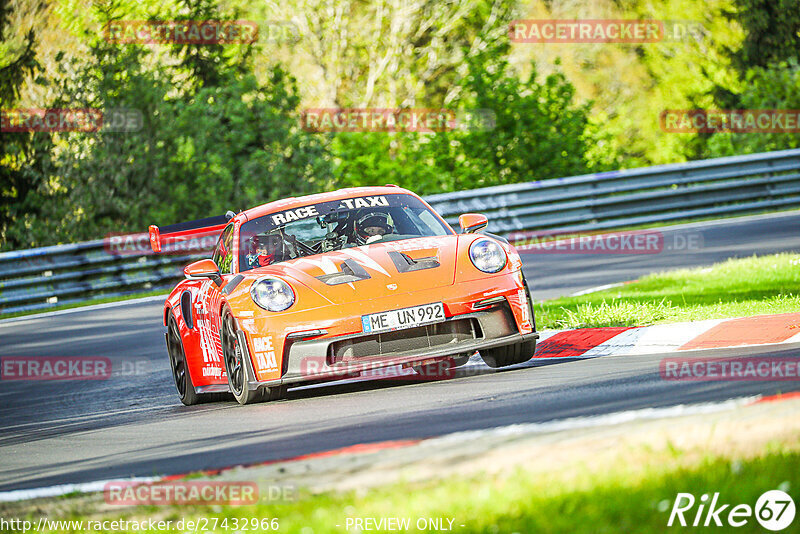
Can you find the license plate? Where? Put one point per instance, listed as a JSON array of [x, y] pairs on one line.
[[404, 318]]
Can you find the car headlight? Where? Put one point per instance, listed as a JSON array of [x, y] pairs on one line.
[[487, 255], [272, 294]]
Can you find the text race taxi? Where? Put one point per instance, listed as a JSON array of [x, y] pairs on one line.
[[332, 285]]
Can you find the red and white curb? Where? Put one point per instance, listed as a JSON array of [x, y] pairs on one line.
[[678, 337], [619, 341]]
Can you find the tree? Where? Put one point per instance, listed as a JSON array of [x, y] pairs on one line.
[[766, 88], [534, 131], [24, 156], [772, 33], [387, 53], [766, 64], [210, 136]]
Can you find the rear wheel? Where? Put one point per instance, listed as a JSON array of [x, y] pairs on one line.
[[237, 369], [177, 360]]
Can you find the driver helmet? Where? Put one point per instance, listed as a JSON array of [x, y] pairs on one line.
[[373, 226], [268, 249]]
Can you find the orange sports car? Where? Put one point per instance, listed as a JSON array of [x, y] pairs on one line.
[[331, 285]]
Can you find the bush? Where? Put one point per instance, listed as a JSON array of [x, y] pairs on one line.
[[538, 133]]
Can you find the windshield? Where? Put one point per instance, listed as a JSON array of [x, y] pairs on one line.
[[334, 225]]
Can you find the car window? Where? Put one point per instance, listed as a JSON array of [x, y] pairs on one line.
[[223, 252], [334, 225]]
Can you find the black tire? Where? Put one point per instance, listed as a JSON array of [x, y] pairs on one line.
[[462, 359], [509, 354], [239, 373], [180, 370], [517, 353]]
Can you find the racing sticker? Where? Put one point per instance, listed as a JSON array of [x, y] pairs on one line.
[[365, 202], [521, 310], [514, 259], [311, 211], [208, 325], [213, 372], [264, 354], [294, 215], [526, 312], [417, 243]]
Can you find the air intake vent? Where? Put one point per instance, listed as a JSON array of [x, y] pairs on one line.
[[350, 271], [409, 340]]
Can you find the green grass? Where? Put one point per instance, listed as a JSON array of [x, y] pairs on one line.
[[734, 288], [622, 497], [616, 502]]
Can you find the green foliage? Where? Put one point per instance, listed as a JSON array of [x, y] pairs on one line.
[[220, 127], [772, 33], [374, 158], [211, 137], [24, 156], [767, 66], [631, 84], [776, 87], [383, 53], [240, 145], [534, 131]]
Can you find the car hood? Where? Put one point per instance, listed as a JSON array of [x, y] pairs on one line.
[[375, 270]]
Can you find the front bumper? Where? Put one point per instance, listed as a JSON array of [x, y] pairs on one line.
[[348, 355]]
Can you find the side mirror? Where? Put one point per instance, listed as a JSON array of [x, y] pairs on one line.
[[472, 222], [203, 269]]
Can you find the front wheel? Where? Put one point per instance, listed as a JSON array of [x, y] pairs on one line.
[[509, 354], [519, 352], [237, 369]]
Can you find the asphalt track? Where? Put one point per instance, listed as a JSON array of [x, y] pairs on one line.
[[133, 425]]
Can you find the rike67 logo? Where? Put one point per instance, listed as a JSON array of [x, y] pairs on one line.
[[774, 510]]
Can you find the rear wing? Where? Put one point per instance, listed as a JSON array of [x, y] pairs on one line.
[[188, 236]]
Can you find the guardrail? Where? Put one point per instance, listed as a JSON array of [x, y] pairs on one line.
[[714, 187], [45, 277], [50, 276]]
